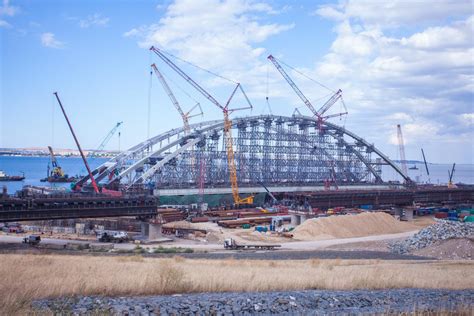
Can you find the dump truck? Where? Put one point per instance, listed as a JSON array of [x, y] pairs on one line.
[[32, 240], [231, 244]]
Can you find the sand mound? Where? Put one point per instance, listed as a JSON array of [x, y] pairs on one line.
[[346, 226]]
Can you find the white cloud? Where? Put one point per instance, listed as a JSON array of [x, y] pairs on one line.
[[395, 13], [211, 38], [423, 79], [5, 24], [7, 9], [94, 20], [49, 40], [467, 119]]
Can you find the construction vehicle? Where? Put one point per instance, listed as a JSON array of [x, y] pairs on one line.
[[116, 237], [227, 124], [321, 113], [231, 244], [32, 240], [75, 186], [56, 174]]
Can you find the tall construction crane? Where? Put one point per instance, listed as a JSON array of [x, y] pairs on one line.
[[319, 114], [451, 174], [401, 147], [184, 116], [94, 184], [106, 140], [227, 124], [424, 160]]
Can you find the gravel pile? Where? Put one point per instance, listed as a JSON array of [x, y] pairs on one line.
[[442, 230], [283, 303]]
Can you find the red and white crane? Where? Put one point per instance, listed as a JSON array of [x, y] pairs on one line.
[[319, 114], [227, 123]]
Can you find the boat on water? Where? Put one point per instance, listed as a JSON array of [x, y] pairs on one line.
[[414, 167], [5, 177], [59, 179]]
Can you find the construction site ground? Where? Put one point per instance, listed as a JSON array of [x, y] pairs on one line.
[[210, 245]]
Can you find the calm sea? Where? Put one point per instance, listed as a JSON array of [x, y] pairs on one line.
[[35, 168]]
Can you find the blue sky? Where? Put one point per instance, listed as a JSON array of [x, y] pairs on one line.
[[397, 62]]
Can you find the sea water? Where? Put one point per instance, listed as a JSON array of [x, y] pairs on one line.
[[35, 168]]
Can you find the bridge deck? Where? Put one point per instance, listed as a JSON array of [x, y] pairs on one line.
[[45, 208]]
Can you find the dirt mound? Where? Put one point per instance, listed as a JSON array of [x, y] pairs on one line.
[[456, 248], [347, 226]]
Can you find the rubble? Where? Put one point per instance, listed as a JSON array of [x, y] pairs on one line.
[[441, 230]]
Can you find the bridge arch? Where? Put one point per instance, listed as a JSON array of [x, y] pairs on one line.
[[276, 150]]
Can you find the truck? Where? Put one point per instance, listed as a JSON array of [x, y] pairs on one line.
[[32, 240], [231, 244], [107, 236]]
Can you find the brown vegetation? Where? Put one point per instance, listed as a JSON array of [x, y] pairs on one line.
[[28, 277]]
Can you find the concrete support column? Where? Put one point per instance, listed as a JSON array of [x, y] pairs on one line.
[[408, 214], [295, 220], [151, 231], [303, 218]]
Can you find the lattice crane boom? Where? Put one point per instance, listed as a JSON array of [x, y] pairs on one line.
[[293, 85], [227, 124], [333, 99], [186, 77], [106, 139], [401, 147], [324, 108], [184, 116]]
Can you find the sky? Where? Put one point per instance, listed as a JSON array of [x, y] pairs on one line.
[[397, 62]]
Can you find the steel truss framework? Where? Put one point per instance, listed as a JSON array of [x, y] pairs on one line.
[[276, 150]]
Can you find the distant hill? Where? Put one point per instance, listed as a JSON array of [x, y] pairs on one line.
[[60, 152]]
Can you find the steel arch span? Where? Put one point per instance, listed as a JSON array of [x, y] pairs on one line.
[[275, 150]]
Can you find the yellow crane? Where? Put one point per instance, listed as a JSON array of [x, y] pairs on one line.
[[227, 125]]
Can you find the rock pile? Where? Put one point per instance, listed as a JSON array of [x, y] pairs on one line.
[[442, 230], [355, 302]]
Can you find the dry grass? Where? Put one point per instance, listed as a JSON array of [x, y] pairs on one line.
[[28, 277]]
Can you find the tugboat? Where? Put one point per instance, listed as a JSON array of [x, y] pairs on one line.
[[414, 167], [5, 177]]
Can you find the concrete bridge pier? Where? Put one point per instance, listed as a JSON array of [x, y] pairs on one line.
[[151, 231], [295, 220]]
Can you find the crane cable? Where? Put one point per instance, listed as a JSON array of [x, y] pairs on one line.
[[198, 67], [178, 86], [266, 92], [150, 82], [306, 76]]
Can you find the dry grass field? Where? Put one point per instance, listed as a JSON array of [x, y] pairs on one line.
[[28, 277]]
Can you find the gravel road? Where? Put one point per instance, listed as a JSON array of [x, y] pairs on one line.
[[6, 248], [282, 303]]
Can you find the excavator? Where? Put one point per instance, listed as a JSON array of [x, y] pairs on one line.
[[56, 175]]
